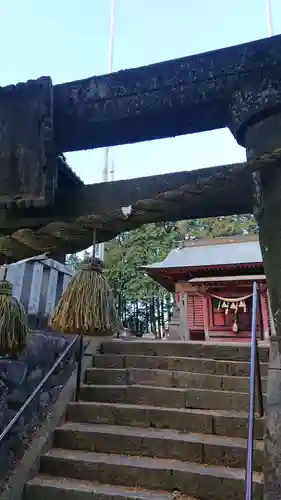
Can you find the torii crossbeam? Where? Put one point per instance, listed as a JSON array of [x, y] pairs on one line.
[[238, 87], [44, 206], [39, 121]]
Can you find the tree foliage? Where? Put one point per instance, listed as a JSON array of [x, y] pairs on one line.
[[143, 304]]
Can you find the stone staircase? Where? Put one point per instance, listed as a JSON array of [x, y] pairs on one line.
[[157, 420]]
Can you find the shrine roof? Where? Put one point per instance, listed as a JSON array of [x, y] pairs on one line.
[[220, 252], [224, 279]]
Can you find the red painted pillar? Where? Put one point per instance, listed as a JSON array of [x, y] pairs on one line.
[[205, 312]]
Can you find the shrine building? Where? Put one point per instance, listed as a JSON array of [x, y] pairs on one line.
[[213, 281]]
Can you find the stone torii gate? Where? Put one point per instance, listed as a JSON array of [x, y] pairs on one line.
[[45, 207]]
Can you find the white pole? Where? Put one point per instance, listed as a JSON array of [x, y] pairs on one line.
[[110, 66], [105, 172], [112, 171], [269, 18], [111, 37]]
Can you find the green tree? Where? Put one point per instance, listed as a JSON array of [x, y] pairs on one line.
[[215, 227], [73, 260], [143, 304]]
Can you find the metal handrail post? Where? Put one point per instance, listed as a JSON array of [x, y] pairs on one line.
[[259, 384], [79, 369]]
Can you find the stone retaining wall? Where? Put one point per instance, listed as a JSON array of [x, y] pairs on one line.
[[18, 379], [272, 439]]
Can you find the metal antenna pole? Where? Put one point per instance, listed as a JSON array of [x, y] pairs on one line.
[[100, 247], [269, 18], [110, 66], [112, 171]]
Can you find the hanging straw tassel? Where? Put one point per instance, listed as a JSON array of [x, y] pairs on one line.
[[13, 321], [87, 306]]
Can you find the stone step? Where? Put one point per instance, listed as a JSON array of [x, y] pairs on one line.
[[193, 365], [165, 396], [160, 443], [103, 376], [210, 483], [217, 400], [218, 422], [226, 351], [165, 378], [134, 394], [54, 488]]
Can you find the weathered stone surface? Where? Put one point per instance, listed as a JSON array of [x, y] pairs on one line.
[[193, 479], [103, 376], [272, 439], [161, 443], [252, 102], [189, 420], [28, 163], [216, 400], [259, 117], [167, 378], [49, 488], [194, 365], [18, 379], [275, 353], [108, 361], [140, 434], [192, 94], [192, 349]]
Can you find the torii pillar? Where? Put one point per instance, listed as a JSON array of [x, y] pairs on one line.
[[256, 124]]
